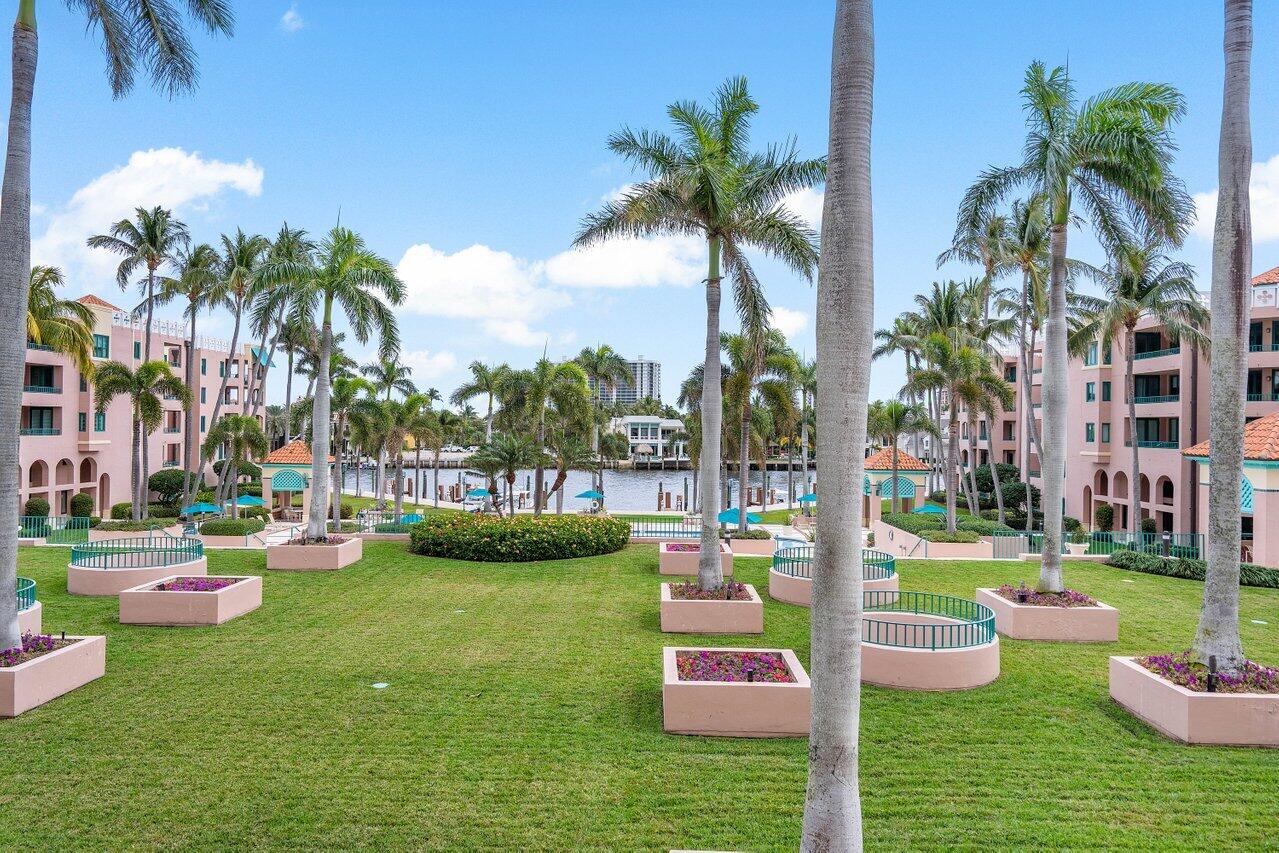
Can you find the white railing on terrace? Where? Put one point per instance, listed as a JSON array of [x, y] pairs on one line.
[[170, 328]]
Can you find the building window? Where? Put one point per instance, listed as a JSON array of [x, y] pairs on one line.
[[1090, 433], [1090, 359], [137, 349], [1008, 430], [84, 422], [1090, 392], [1105, 392], [101, 346], [202, 429], [203, 396], [222, 369], [84, 386], [1105, 432], [1105, 358], [1174, 430], [1010, 372], [99, 421], [204, 366], [1174, 385]]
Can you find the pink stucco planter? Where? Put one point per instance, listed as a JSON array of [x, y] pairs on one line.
[[30, 620], [146, 605], [82, 580], [1098, 624], [1221, 719], [43, 679], [685, 562], [793, 589], [754, 547], [735, 709], [314, 558], [925, 650], [694, 616]]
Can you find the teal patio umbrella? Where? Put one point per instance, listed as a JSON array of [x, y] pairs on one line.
[[249, 500], [477, 493], [729, 516], [591, 495], [200, 509], [929, 509], [810, 498]]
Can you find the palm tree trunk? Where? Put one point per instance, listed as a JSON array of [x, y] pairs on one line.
[[315, 528], [952, 469], [803, 434], [709, 574], [1031, 436], [539, 471], [146, 356], [744, 463], [845, 329], [994, 471], [288, 400], [974, 502], [488, 422], [235, 486], [1134, 485], [436, 490], [15, 269], [399, 485], [1218, 631], [135, 467], [895, 504], [1053, 461], [418, 479], [226, 377], [790, 473], [188, 415]]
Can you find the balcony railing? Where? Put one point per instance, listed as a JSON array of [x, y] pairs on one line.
[[1274, 347], [42, 347], [1156, 353], [1158, 445], [40, 431], [1263, 398], [170, 463], [41, 389], [1166, 398], [172, 429]]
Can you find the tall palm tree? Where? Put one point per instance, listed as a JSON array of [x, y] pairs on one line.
[[511, 453], [892, 420], [296, 335], [568, 453], [902, 337], [427, 431], [387, 375], [1113, 152], [1218, 632], [355, 411], [402, 417], [197, 281], [1140, 281], [845, 324], [607, 369], [130, 38], [705, 182], [485, 380], [243, 441], [144, 388], [363, 285], [63, 324], [984, 241], [806, 376], [548, 386], [273, 307]]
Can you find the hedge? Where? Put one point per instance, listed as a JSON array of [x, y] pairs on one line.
[[1190, 569], [37, 507], [81, 505], [966, 536], [127, 526], [916, 523], [231, 527], [124, 511], [749, 534], [489, 539]]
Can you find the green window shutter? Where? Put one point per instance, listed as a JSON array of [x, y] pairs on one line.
[[99, 421], [204, 366], [84, 422], [137, 349], [101, 346]]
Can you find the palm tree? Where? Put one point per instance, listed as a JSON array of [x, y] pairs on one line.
[[130, 38], [198, 282], [296, 336], [484, 380], [144, 387], [984, 241], [903, 337], [387, 375], [427, 431], [568, 453], [1113, 153], [511, 453], [363, 285], [65, 325], [1218, 631], [548, 385], [242, 438], [354, 409], [402, 417], [892, 420], [606, 369], [1140, 281], [705, 182], [490, 467], [806, 377], [845, 324]]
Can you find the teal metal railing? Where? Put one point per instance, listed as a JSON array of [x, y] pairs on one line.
[[1156, 353], [54, 529], [41, 389], [1165, 398], [676, 528], [380, 521], [139, 553], [797, 562], [39, 431], [1009, 546], [26, 593], [1158, 445], [967, 623], [1263, 398]]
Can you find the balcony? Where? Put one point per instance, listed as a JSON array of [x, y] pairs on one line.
[[41, 389], [41, 347], [1258, 348], [172, 430], [40, 431], [1157, 353], [1166, 398], [171, 463], [1157, 445], [1263, 398]]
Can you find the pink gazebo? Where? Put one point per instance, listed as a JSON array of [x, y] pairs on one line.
[[1259, 489]]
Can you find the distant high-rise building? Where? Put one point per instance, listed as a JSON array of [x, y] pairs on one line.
[[645, 382]]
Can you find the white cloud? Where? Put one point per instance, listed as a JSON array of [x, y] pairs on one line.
[[789, 321], [477, 282], [181, 181], [291, 21], [807, 203], [622, 263], [427, 365], [515, 332], [1263, 189]]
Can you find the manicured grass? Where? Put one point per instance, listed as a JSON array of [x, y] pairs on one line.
[[524, 711], [424, 508]]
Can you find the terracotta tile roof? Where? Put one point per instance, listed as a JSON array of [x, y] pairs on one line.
[[1267, 277], [296, 452], [94, 302], [883, 461], [1260, 440]]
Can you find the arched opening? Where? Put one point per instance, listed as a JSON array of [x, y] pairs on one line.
[[1100, 483], [104, 496], [38, 475], [88, 470], [1087, 511], [1145, 489], [1121, 486], [1164, 490], [64, 474]]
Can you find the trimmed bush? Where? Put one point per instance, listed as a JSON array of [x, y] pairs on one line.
[[1070, 525], [259, 512], [1189, 569], [1104, 516], [749, 534], [128, 526], [489, 539], [81, 505], [966, 536], [246, 469], [36, 507], [1007, 474], [167, 483], [231, 527], [916, 523], [1148, 526], [95, 521], [207, 496], [254, 489]]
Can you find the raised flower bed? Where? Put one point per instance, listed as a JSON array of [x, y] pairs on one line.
[[1067, 617], [925, 641], [30, 610], [753, 544], [791, 577], [734, 692], [735, 608], [178, 600], [46, 668], [337, 553], [106, 568], [680, 558], [1168, 693]]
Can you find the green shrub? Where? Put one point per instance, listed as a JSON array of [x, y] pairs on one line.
[[36, 507], [749, 534], [352, 527], [231, 527], [127, 526], [1070, 525], [1190, 569], [1148, 526], [254, 489], [81, 505], [966, 536], [95, 521], [167, 483], [246, 469], [1007, 474], [917, 522], [488, 539], [206, 496], [1104, 516], [259, 512]]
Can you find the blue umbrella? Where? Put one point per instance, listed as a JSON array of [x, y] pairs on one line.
[[929, 509], [810, 498], [591, 495], [249, 500], [413, 517], [477, 493], [200, 508], [729, 516]]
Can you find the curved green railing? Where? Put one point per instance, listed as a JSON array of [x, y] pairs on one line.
[[973, 624], [149, 553], [797, 562], [26, 593]]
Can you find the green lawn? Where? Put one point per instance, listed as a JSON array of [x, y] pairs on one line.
[[524, 712]]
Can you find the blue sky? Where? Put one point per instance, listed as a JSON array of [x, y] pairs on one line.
[[466, 140]]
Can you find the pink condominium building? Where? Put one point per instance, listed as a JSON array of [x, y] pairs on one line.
[[1172, 403], [66, 447]]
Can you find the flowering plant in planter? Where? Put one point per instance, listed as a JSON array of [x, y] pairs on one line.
[[33, 646], [1184, 671], [1065, 598], [729, 591], [331, 539], [733, 666], [195, 584], [683, 547]]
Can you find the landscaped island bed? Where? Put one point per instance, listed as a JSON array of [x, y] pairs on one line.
[[280, 709]]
